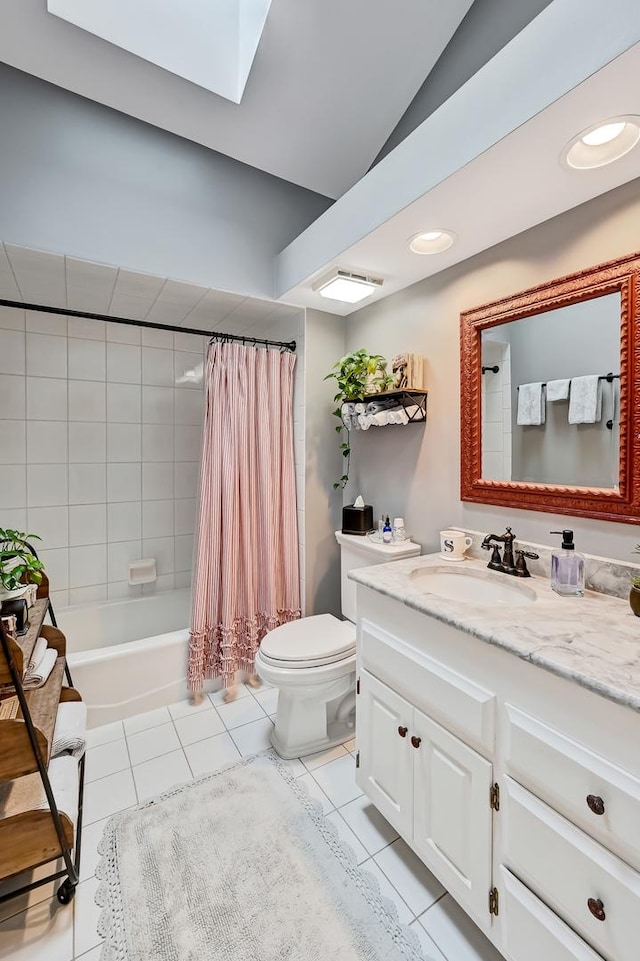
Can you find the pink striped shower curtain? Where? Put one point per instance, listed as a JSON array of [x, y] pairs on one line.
[[245, 578]]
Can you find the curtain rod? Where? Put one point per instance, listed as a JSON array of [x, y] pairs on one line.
[[87, 315]]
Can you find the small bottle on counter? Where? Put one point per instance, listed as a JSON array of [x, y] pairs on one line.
[[387, 532], [399, 533], [567, 568]]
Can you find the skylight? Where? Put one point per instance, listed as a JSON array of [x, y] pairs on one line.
[[212, 43]]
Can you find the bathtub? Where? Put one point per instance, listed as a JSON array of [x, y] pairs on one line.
[[128, 656]]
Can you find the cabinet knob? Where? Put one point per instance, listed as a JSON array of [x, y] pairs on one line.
[[597, 908], [416, 741], [402, 731], [595, 804]]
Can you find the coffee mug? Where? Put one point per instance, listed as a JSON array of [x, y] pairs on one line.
[[453, 544]]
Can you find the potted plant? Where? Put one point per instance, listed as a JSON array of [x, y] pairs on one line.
[[18, 566], [357, 374]]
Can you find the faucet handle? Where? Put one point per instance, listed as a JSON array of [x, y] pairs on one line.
[[521, 565]]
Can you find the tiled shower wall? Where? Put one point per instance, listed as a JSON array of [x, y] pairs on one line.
[[100, 432]]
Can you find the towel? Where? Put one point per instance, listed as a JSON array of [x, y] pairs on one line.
[[558, 390], [381, 419], [69, 735], [348, 415], [585, 400], [414, 412], [531, 407], [39, 677], [39, 651], [63, 775], [364, 421]]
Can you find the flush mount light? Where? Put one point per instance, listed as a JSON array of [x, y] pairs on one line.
[[346, 286], [602, 143], [432, 242]]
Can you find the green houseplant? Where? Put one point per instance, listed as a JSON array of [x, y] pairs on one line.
[[18, 566], [357, 374]]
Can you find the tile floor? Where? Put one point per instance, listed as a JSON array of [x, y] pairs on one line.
[[130, 761]]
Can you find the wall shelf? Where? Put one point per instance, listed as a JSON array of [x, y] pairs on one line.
[[412, 401]]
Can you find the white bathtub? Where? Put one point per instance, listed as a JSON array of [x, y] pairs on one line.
[[128, 656]]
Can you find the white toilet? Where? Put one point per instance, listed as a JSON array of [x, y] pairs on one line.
[[312, 661]]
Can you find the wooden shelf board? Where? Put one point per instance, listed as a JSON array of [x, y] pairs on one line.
[[43, 703], [26, 643]]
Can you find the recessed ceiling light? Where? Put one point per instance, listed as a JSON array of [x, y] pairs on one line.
[[602, 143], [346, 286], [432, 242]]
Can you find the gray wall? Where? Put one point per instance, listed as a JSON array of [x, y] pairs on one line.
[[81, 179], [487, 28]]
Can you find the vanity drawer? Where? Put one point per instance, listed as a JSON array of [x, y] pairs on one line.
[[532, 932], [592, 792], [595, 892], [460, 704]]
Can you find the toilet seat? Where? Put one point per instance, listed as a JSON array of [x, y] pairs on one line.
[[309, 642]]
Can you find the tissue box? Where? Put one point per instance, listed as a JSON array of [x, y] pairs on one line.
[[357, 520]]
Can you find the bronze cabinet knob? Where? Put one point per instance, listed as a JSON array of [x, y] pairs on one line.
[[597, 908], [416, 741], [595, 804], [402, 731]]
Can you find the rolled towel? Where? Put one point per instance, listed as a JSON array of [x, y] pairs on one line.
[[558, 390], [70, 732], [364, 421], [39, 651], [585, 400], [359, 409], [531, 406], [375, 406], [401, 416], [414, 412], [381, 419], [39, 677], [63, 775], [347, 415]]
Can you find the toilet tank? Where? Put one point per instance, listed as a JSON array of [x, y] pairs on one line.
[[355, 552]]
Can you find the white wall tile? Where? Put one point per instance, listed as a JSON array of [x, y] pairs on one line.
[[87, 565], [165, 582], [157, 338], [87, 359], [123, 482], [13, 395], [122, 334], [87, 525], [157, 405], [12, 352], [187, 478], [87, 400], [87, 484], [46, 441], [187, 443], [119, 556], [184, 552], [46, 356], [13, 488], [124, 443], [124, 521], [157, 482], [13, 441], [124, 403], [157, 442], [117, 590], [157, 519], [185, 516], [51, 524], [46, 398], [56, 565], [88, 329], [123, 364], [87, 443], [182, 579], [162, 548], [189, 342], [11, 318], [42, 323], [189, 406], [47, 485], [14, 518], [88, 595], [188, 370], [157, 366]]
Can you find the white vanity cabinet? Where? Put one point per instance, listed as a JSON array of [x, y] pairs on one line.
[[518, 789]]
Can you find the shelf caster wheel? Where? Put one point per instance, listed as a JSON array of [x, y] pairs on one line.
[[66, 892]]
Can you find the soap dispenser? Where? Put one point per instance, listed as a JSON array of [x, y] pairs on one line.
[[567, 568]]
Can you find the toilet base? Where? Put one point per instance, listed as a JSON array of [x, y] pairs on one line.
[[337, 732]]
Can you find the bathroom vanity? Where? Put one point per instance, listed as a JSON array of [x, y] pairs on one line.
[[498, 730]]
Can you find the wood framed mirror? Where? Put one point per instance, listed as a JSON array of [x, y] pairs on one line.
[[570, 444]]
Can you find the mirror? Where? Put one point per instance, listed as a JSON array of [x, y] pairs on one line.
[[547, 382]]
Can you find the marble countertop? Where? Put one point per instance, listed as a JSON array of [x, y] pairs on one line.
[[592, 640]]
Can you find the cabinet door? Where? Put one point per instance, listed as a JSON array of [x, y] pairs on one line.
[[385, 773], [452, 814]]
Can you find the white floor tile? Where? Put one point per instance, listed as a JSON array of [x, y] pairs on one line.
[[217, 697], [142, 722], [368, 824], [338, 780], [347, 835], [209, 755], [187, 709], [267, 699], [108, 796], [86, 913], [387, 890], [43, 933], [316, 792], [104, 734], [456, 935], [253, 738], [197, 727], [106, 759], [430, 949], [313, 761], [96, 953], [152, 743], [160, 774], [414, 882], [89, 857], [240, 712]]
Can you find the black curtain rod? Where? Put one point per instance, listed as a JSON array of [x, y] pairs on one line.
[[608, 377], [127, 322]]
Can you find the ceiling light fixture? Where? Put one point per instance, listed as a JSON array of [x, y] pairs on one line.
[[346, 286], [432, 242], [602, 143]]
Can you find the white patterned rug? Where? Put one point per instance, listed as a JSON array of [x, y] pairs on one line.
[[240, 866]]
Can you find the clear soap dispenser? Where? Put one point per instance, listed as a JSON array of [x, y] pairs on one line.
[[567, 568]]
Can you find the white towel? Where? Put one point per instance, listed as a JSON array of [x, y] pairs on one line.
[[531, 407], [39, 651], [414, 412], [347, 415], [38, 677], [585, 400], [63, 775], [558, 390], [381, 419], [364, 421], [69, 735]]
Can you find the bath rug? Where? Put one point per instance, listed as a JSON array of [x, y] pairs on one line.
[[240, 865]]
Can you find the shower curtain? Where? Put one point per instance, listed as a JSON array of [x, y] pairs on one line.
[[245, 578]]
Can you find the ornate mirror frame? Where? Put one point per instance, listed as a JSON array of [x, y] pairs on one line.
[[621, 276]]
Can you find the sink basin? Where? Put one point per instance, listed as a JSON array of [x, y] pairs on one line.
[[472, 586]]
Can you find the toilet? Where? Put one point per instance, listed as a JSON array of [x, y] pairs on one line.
[[312, 661]]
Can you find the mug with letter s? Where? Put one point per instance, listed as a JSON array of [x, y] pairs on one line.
[[453, 545]]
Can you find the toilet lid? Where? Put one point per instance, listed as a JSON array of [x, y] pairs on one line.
[[316, 640]]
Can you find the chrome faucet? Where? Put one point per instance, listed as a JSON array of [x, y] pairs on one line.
[[507, 564]]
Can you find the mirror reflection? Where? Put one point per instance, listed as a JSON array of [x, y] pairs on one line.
[[550, 407]]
